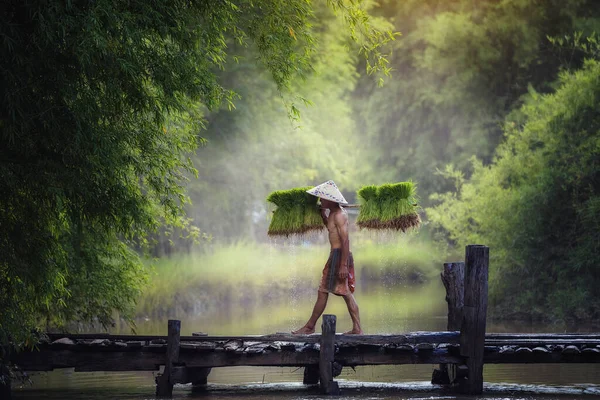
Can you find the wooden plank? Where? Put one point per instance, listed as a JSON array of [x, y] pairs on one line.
[[354, 340], [410, 337], [472, 336], [47, 360], [308, 358], [326, 356], [541, 358], [541, 342], [148, 361], [518, 336], [373, 357], [164, 386]]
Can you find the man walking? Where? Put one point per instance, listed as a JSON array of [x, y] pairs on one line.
[[338, 274]]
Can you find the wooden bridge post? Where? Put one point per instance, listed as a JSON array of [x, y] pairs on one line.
[[198, 376], [472, 333], [326, 356], [164, 384], [311, 375], [453, 278], [5, 384]]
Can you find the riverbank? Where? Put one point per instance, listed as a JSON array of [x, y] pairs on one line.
[[252, 275]]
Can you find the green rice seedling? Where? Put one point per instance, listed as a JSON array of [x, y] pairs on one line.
[[288, 217], [369, 214], [312, 215], [296, 212], [398, 206], [388, 196]]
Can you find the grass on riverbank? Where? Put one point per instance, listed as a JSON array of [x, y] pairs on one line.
[[246, 272]]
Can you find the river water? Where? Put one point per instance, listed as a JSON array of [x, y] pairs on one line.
[[388, 308]]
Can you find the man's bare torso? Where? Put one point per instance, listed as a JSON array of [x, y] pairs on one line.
[[334, 235]]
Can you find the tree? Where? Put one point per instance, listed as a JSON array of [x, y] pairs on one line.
[[537, 205], [463, 66], [255, 148], [98, 112]]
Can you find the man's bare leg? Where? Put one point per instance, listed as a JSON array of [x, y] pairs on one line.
[[353, 310], [318, 309]]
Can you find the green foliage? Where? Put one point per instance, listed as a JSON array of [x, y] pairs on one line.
[[101, 104], [536, 205], [296, 212], [462, 66], [254, 150]]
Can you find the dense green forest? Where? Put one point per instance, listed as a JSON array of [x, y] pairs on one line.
[[102, 104], [140, 127]]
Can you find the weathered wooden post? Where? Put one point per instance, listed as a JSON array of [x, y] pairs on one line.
[[5, 384], [198, 377], [311, 375], [472, 332], [453, 277], [164, 384], [327, 354]]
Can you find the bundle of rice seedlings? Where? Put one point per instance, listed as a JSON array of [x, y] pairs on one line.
[[312, 214], [398, 206], [369, 214], [296, 212]]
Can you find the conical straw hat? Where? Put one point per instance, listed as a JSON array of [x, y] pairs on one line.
[[328, 191]]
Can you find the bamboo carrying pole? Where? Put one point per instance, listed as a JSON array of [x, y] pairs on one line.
[[358, 205]]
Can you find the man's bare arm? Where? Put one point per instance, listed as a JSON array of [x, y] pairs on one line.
[[341, 223]]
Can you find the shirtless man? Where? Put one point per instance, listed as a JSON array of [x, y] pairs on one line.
[[338, 274]]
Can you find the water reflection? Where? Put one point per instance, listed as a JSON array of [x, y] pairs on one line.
[[417, 390]]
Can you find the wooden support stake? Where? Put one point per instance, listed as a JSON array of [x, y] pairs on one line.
[[326, 356], [453, 278], [472, 333], [311, 375], [5, 384], [164, 386]]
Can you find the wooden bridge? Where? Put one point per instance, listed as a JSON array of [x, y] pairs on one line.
[[461, 351]]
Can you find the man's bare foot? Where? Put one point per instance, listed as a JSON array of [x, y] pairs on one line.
[[305, 330], [354, 332]]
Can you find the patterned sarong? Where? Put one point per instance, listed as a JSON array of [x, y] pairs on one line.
[[330, 282]]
